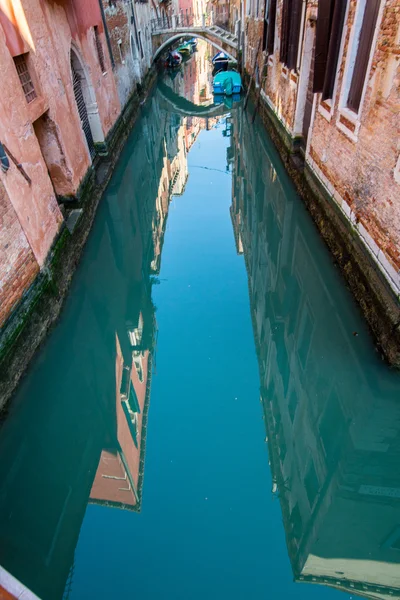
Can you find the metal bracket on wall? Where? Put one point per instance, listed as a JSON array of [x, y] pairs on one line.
[[18, 165]]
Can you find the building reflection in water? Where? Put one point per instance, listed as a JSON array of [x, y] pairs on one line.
[[119, 476], [76, 432], [331, 407]]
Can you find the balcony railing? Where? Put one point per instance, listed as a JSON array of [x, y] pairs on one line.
[[182, 19]]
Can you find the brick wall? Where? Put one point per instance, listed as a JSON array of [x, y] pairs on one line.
[[18, 266], [359, 158], [281, 85]]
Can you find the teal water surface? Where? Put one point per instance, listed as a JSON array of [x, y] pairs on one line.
[[210, 418]]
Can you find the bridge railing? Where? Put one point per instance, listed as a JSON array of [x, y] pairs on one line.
[[185, 18]]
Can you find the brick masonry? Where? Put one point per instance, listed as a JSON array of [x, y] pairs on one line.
[[351, 160], [368, 191], [369, 187], [18, 266]]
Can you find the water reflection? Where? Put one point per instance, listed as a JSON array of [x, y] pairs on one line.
[[331, 408], [76, 432]]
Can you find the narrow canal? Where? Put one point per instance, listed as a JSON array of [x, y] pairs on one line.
[[210, 418]]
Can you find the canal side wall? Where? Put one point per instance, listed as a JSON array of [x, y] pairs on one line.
[[345, 164], [377, 300], [38, 309]]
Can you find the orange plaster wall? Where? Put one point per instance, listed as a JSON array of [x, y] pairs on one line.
[[8, 20], [35, 205]]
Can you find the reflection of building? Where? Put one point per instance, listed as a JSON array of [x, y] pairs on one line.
[[331, 408], [194, 81], [86, 416], [329, 74], [119, 476]]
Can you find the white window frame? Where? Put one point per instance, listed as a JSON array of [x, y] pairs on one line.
[[331, 101], [349, 114], [396, 172]]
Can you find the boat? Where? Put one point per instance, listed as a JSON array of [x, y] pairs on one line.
[[173, 60], [220, 61], [227, 83], [228, 101], [193, 44], [185, 49]]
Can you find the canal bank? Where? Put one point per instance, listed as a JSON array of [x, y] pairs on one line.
[[329, 97], [378, 301], [40, 306]]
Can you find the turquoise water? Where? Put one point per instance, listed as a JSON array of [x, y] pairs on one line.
[[209, 418]]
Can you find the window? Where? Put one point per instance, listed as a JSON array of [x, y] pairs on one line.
[[292, 405], [131, 420], [311, 484], [330, 23], [25, 77], [290, 32], [133, 400], [100, 53], [269, 26], [332, 426], [364, 45], [305, 337]]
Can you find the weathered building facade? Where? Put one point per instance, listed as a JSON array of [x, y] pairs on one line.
[[331, 453], [128, 24], [58, 103], [327, 74], [68, 69]]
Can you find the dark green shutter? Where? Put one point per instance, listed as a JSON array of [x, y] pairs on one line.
[[286, 11], [133, 400], [271, 27], [339, 12], [324, 22], [294, 33], [363, 52]]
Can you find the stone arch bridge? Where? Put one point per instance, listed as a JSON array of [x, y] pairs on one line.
[[165, 33]]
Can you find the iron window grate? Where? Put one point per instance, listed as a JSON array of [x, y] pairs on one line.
[[25, 78]]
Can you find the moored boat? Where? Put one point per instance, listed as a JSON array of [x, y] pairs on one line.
[[185, 49], [193, 43], [227, 83], [220, 61], [174, 59]]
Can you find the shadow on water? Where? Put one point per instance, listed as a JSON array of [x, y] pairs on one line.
[[77, 429]]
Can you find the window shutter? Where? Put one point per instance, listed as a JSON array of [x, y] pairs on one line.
[[286, 11], [363, 52], [339, 12], [271, 27], [294, 33], [266, 21], [324, 20]]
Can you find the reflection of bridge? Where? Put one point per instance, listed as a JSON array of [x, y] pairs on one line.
[[167, 34], [186, 108]]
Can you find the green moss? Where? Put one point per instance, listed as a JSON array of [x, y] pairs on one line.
[[41, 304]]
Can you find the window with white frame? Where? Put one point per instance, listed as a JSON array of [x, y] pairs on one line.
[[361, 47]]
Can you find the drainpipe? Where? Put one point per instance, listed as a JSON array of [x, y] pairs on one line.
[[5, 163], [107, 34]]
